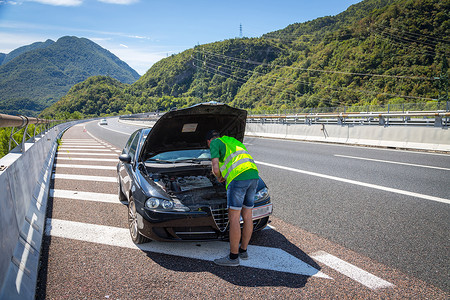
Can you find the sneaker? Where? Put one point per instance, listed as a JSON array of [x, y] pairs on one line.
[[226, 261], [243, 255]]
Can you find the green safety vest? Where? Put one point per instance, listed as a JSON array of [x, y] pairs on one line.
[[236, 161]]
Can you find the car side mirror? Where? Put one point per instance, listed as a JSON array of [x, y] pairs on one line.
[[125, 158]]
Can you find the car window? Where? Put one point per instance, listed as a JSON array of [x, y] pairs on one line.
[[130, 140], [181, 155], [133, 146]]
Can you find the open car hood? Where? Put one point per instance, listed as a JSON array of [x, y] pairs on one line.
[[185, 129]]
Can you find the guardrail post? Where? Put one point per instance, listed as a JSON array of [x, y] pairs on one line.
[[11, 137], [24, 138], [438, 121], [446, 118]]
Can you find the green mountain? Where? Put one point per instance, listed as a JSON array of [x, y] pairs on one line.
[[13, 54], [375, 52], [96, 94], [35, 76]]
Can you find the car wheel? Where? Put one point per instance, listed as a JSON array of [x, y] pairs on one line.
[[133, 224], [122, 197]]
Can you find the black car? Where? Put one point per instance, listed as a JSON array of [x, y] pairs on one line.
[[165, 176]]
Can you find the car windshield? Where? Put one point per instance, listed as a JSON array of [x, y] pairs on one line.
[[181, 156]]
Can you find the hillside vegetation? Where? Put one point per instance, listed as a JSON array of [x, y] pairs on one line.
[[35, 76], [376, 52]]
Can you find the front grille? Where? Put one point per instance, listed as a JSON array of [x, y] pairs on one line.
[[220, 214]]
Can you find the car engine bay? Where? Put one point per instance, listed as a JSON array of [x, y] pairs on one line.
[[193, 187]]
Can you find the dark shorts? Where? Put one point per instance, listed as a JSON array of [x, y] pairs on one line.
[[241, 193]]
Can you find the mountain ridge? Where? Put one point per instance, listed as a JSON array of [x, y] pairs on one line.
[[43, 72]]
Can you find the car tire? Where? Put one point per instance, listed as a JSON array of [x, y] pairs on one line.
[[133, 224], [122, 197]]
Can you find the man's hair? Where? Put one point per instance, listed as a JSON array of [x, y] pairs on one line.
[[212, 134]]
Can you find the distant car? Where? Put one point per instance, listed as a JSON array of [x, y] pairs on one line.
[[103, 122], [165, 176]]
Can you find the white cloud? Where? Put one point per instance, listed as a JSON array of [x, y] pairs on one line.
[[138, 37], [124, 2], [9, 2], [60, 2], [122, 45]]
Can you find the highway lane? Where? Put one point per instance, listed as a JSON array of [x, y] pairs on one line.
[[406, 231]]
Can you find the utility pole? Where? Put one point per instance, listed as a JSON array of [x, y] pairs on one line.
[[240, 30]]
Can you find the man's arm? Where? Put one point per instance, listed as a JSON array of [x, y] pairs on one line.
[[216, 169]]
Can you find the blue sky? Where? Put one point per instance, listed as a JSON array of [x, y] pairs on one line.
[[141, 32]]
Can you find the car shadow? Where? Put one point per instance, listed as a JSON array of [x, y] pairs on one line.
[[244, 275], [41, 284]]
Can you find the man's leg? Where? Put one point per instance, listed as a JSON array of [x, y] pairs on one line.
[[235, 229], [247, 229]]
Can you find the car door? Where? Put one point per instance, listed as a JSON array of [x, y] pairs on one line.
[[126, 169]]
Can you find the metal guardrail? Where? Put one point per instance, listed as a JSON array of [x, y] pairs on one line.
[[19, 122], [418, 118], [430, 118], [142, 117]]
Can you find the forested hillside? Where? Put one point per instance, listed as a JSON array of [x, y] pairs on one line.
[[376, 52], [97, 95], [35, 76]]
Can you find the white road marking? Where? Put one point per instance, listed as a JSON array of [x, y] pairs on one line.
[[369, 280], [85, 167], [81, 143], [84, 177], [121, 132], [351, 146], [78, 140], [393, 162], [58, 158], [270, 227], [78, 146], [88, 196], [71, 149], [369, 185], [85, 153], [259, 257]]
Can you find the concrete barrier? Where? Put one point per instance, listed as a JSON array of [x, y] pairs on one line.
[[407, 137], [23, 200]]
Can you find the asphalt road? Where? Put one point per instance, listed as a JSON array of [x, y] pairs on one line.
[[387, 211], [407, 232]]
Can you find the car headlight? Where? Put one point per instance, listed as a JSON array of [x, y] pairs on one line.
[[261, 195], [163, 204], [152, 203], [166, 204]]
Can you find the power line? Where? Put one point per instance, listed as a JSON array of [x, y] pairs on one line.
[[243, 80], [430, 46], [317, 70], [215, 68], [430, 38]]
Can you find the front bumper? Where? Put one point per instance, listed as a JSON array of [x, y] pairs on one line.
[[208, 223]]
